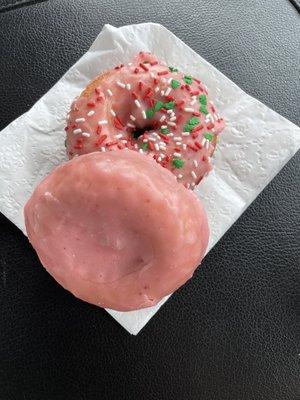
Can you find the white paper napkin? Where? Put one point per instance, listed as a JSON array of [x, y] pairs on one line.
[[254, 147]]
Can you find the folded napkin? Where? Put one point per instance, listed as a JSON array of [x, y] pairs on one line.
[[255, 145]]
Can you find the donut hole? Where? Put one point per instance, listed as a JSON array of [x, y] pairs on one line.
[[137, 132]]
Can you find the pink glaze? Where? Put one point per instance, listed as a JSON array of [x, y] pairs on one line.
[[116, 229], [184, 126]]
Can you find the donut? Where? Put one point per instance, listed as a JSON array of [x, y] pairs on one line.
[[151, 108], [116, 229]]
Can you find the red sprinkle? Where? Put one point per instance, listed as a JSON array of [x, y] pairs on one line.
[[91, 103], [99, 98], [192, 147], [140, 85], [195, 135], [197, 128], [120, 146], [100, 140], [78, 146], [204, 158], [213, 109], [194, 92], [74, 126], [197, 81], [153, 63], [66, 128], [210, 125], [97, 90], [99, 130], [165, 72], [111, 143], [197, 144], [149, 93], [151, 146], [169, 98], [134, 95], [155, 81], [178, 149], [179, 103], [188, 88], [79, 140], [118, 123], [136, 70], [179, 118], [197, 113], [144, 67]]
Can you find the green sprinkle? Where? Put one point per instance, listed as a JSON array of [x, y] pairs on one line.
[[158, 106], [169, 105], [203, 99], [144, 146], [208, 136], [150, 112], [203, 109], [177, 163], [175, 84], [173, 69], [191, 123], [164, 131], [188, 79]]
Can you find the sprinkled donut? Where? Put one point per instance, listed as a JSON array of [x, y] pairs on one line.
[[152, 108]]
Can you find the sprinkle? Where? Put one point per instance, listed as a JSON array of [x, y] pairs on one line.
[[169, 105], [128, 86], [177, 155], [122, 85], [188, 79], [173, 118], [138, 104], [162, 92], [144, 146], [207, 144], [184, 146], [119, 135], [136, 70], [178, 143], [195, 163], [175, 84], [143, 66], [203, 109], [124, 141], [103, 149], [152, 75], [141, 151], [98, 90], [79, 119], [112, 112], [168, 91], [136, 146], [193, 102], [91, 103], [144, 114], [171, 123], [178, 138], [177, 163], [193, 184], [150, 113], [130, 125], [86, 134], [179, 176], [193, 173], [170, 111], [132, 117], [188, 109], [173, 69], [164, 127], [156, 89], [191, 123], [162, 118], [165, 72], [203, 141], [76, 131], [203, 99], [185, 133], [156, 146], [159, 159], [109, 92], [208, 136]]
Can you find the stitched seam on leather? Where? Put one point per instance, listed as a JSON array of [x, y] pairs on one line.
[[18, 4]]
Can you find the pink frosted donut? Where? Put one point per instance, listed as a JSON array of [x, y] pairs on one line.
[[151, 108], [116, 229]]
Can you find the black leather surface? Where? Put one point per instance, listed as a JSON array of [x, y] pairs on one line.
[[230, 333]]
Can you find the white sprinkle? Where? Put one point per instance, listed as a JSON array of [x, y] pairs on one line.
[[188, 186], [109, 92], [137, 103], [119, 135], [185, 133], [155, 134], [112, 112], [103, 122], [170, 111], [188, 109], [79, 119], [124, 141], [178, 138], [144, 114], [173, 119], [90, 113], [164, 79], [156, 146], [152, 75], [171, 123], [141, 151], [130, 63], [170, 80], [136, 146], [193, 184], [162, 155], [163, 148], [122, 85], [193, 102], [178, 143], [162, 92], [86, 134], [152, 139], [203, 141], [207, 144], [208, 159], [180, 176], [162, 118], [195, 163], [128, 86], [76, 131], [177, 155], [171, 134], [68, 116], [156, 89], [164, 126], [193, 173], [159, 159], [168, 91], [103, 149], [130, 125], [184, 146], [132, 117]]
